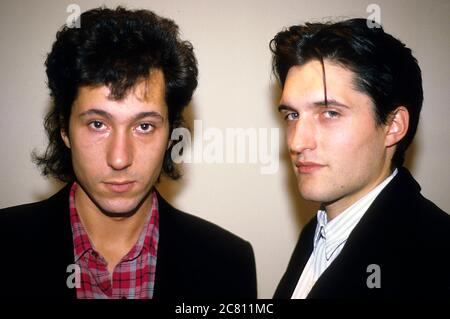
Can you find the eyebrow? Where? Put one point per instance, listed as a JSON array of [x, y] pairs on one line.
[[136, 117], [284, 107], [322, 103], [330, 102]]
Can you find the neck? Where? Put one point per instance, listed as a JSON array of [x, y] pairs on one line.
[[112, 237]]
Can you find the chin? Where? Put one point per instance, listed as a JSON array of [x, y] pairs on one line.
[[120, 209], [311, 194], [310, 198], [115, 205]]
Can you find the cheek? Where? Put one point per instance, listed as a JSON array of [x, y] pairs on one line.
[[346, 144], [88, 162], [360, 150], [88, 149], [338, 141], [152, 152], [87, 152]]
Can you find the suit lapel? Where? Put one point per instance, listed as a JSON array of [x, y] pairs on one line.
[[54, 246], [65, 241], [369, 243]]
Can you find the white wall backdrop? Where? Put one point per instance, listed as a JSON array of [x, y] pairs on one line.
[[236, 90]]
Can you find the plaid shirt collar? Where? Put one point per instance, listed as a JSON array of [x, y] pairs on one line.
[[82, 243]]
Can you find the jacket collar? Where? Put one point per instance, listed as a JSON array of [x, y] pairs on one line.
[[370, 228]]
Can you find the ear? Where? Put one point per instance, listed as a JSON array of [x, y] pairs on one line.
[[397, 126], [65, 137]]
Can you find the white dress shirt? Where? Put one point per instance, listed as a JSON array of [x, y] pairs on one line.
[[331, 236]]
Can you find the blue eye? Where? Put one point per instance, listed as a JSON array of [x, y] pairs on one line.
[[291, 116], [331, 114]]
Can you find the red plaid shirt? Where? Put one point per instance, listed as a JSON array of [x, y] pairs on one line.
[[133, 277]]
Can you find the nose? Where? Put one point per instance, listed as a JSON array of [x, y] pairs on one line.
[[301, 136], [120, 151]]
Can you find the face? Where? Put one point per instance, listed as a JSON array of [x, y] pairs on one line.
[[338, 150], [118, 147]]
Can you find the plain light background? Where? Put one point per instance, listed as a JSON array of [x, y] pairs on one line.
[[236, 90]]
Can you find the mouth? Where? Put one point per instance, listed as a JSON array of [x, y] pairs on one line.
[[120, 186], [308, 167]]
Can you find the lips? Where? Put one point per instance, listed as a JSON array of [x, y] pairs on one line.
[[120, 186], [308, 167]]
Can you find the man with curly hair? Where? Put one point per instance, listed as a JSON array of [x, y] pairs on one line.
[[119, 84]]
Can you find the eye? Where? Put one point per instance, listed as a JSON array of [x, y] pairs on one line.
[[331, 114], [144, 128], [291, 116], [97, 125]]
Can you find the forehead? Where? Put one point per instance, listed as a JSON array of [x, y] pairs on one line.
[[148, 93], [307, 82]]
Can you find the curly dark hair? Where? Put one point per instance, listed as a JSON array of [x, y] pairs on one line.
[[117, 48], [384, 67]]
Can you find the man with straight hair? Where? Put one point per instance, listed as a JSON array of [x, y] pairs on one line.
[[351, 101]]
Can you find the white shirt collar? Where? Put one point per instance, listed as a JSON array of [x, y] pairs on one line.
[[336, 231]]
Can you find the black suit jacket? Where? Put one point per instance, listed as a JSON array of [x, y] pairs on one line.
[[196, 259], [402, 232]]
